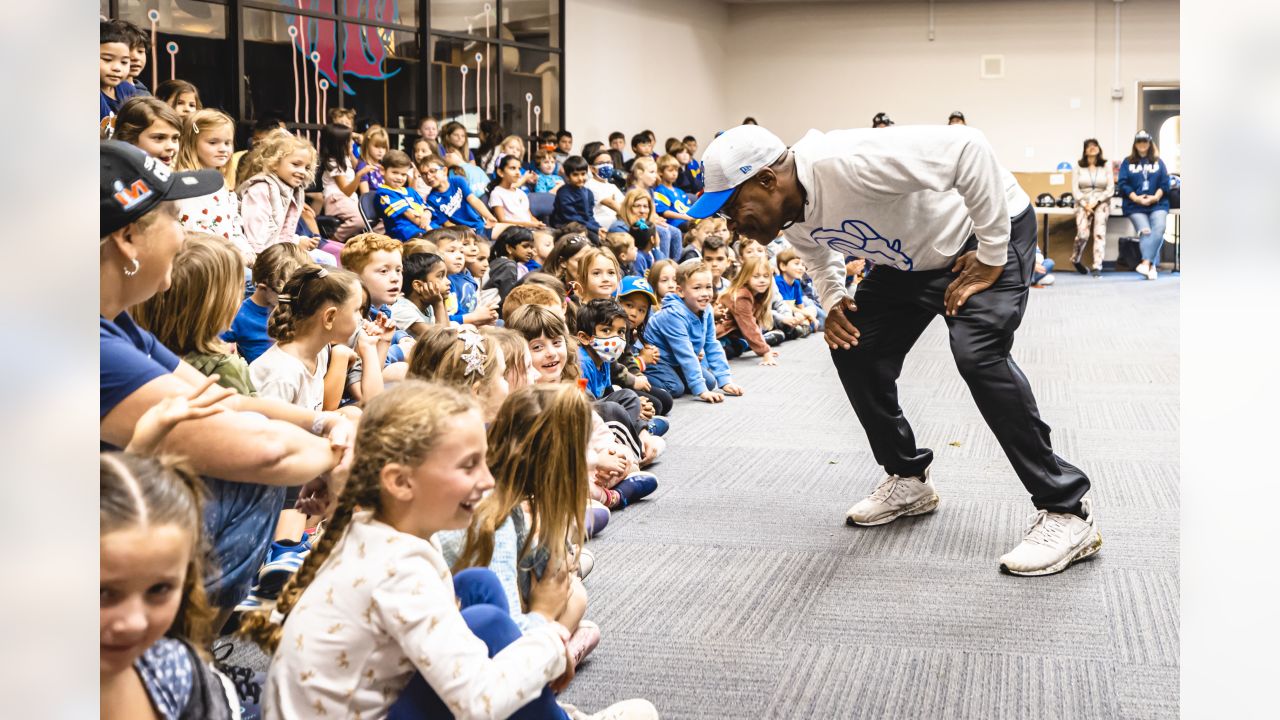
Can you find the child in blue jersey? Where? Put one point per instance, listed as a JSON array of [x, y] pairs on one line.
[[549, 180], [463, 303], [789, 282], [271, 270], [694, 167], [451, 199], [669, 200], [690, 358], [405, 214]]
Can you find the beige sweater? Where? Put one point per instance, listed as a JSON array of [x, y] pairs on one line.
[[1094, 184]]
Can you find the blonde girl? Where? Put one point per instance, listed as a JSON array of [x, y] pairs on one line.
[[273, 198], [208, 140], [376, 145], [154, 626], [180, 95], [532, 522], [463, 358], [149, 124], [643, 175], [662, 277], [748, 302], [598, 274]]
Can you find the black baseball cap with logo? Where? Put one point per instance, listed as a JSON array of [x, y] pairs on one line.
[[1142, 135], [957, 115], [881, 119], [133, 183]]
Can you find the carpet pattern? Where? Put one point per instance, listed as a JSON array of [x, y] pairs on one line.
[[737, 591]]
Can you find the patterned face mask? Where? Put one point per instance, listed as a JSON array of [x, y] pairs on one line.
[[608, 348]]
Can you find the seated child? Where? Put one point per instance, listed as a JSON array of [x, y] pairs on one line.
[[153, 626], [478, 261], [662, 278], [419, 468], [271, 270], [637, 299], [791, 271], [574, 202], [549, 180], [426, 285], [451, 199], [749, 301], [405, 214], [690, 358], [463, 303], [670, 201], [377, 261], [623, 247], [509, 202], [511, 250]]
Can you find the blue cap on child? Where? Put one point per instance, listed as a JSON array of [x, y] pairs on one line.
[[636, 284]]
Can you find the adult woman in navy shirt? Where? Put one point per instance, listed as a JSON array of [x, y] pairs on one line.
[[251, 449], [1144, 185]]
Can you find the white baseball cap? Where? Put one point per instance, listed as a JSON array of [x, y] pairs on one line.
[[732, 159]]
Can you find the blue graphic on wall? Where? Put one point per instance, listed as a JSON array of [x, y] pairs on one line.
[[364, 46], [857, 238]]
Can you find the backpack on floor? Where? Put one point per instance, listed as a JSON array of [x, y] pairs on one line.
[[1130, 254]]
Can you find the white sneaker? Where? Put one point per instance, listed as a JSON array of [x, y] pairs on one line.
[[894, 497], [634, 709], [1142, 268], [1047, 280], [1151, 273], [1053, 541]]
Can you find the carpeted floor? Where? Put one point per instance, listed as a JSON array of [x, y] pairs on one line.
[[736, 590]]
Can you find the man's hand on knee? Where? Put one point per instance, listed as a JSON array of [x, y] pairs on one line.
[[839, 331]]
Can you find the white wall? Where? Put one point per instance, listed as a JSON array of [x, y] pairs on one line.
[[797, 65], [828, 65], [657, 64]]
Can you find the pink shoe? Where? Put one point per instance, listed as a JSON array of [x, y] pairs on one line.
[[583, 641]]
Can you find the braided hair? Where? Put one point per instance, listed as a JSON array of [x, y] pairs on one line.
[[309, 290]]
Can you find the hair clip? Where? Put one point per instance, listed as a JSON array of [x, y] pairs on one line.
[[284, 298], [195, 128], [323, 273], [472, 351]]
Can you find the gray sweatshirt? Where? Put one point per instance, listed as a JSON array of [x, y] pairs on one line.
[[907, 197]]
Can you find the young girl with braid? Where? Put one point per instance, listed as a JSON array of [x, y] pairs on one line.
[[375, 605]]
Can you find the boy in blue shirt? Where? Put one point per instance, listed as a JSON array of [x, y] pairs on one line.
[[668, 200], [791, 288], [404, 213], [574, 202], [463, 303], [114, 62], [452, 200], [690, 358]]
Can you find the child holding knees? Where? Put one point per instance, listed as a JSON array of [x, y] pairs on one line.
[[804, 312], [149, 124], [662, 277], [691, 359], [271, 270], [749, 301], [532, 521], [421, 304], [464, 302], [404, 213], [180, 95], [512, 249], [272, 199], [637, 299], [154, 626], [207, 142], [375, 595]]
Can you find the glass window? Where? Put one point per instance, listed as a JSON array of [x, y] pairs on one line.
[[381, 75], [474, 101], [393, 12], [196, 34], [281, 77], [474, 17], [532, 21], [530, 79]]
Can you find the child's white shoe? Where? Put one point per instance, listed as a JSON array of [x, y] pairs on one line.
[[634, 709]]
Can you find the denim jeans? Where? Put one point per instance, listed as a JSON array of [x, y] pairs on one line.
[[1150, 228], [484, 608]]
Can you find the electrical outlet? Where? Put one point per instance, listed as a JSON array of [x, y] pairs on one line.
[[1117, 93]]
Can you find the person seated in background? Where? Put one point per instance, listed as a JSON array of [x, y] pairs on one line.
[[881, 120], [574, 202], [452, 200], [510, 204], [642, 146], [114, 61], [1092, 185], [1042, 275], [1144, 185], [404, 212]]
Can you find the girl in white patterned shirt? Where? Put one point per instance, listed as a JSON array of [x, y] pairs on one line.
[[207, 142]]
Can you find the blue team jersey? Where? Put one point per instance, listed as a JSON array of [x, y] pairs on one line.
[[670, 199], [451, 204], [395, 204]]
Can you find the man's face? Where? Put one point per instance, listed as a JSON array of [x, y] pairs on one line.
[[717, 260], [565, 144], [755, 211]]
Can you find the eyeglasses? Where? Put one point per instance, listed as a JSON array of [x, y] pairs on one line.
[[726, 212]]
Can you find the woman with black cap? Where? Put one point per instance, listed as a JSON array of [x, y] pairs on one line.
[[1144, 185]]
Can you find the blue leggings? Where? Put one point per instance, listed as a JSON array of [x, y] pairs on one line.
[[670, 241], [485, 609]]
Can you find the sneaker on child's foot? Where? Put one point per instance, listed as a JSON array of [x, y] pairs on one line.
[[1142, 268], [283, 560], [636, 486], [774, 338], [597, 518], [1151, 273], [1054, 541], [658, 425], [586, 561], [894, 497], [635, 709], [583, 641]]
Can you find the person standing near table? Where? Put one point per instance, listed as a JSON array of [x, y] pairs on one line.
[[1092, 185], [951, 233]]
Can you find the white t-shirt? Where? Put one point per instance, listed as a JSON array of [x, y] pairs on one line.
[[515, 202], [907, 197], [331, 171], [602, 190], [277, 374], [404, 314]]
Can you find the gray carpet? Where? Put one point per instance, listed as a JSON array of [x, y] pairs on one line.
[[737, 591]]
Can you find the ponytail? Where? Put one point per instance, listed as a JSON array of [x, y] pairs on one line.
[[309, 290]]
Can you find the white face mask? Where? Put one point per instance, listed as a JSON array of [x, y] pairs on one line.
[[608, 348]]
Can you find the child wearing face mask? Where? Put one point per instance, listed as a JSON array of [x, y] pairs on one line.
[[272, 199], [690, 358], [606, 194]]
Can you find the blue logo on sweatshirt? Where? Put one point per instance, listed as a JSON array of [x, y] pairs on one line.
[[857, 238]]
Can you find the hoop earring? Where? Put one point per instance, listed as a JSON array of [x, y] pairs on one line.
[[134, 271]]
